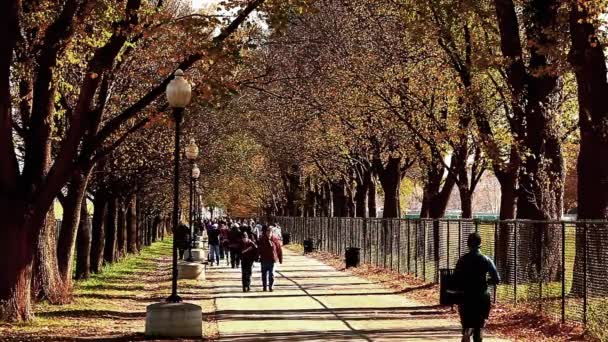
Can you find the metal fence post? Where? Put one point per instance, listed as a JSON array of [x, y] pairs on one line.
[[495, 252], [515, 261], [364, 233], [586, 245], [416, 244], [459, 238], [424, 251], [407, 222], [399, 246], [563, 272], [448, 243], [541, 277], [392, 238]]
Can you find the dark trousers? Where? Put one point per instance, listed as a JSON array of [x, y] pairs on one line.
[[473, 314], [246, 266], [235, 257], [181, 253], [267, 273]]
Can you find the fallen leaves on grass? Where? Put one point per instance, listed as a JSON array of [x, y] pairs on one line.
[[111, 306]]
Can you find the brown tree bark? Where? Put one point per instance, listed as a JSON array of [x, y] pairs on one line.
[[69, 226], [371, 196], [533, 88], [100, 209], [390, 178], [339, 200], [83, 245], [363, 182], [111, 232], [589, 62], [131, 223], [121, 229], [16, 256], [46, 280]]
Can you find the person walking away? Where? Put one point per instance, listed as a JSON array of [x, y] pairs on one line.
[[214, 244], [474, 272], [249, 254], [270, 252], [224, 232], [234, 245], [182, 239]]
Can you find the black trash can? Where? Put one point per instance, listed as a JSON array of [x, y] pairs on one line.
[[308, 246], [352, 256], [286, 239], [449, 294]]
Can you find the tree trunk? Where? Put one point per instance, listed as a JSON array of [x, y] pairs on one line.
[[83, 244], [338, 191], [508, 198], [371, 196], [466, 202], [589, 63], [121, 228], [16, 264], [361, 193], [46, 280], [111, 232], [100, 209], [155, 228], [69, 226], [541, 175], [390, 179], [325, 201], [131, 223]]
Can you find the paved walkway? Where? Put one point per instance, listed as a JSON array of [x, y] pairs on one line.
[[314, 302]]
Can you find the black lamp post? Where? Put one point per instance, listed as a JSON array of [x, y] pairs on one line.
[[194, 175], [179, 93]]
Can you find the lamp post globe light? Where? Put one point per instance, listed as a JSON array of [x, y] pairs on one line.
[[179, 93]]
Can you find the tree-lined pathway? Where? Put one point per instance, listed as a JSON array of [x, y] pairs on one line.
[[315, 302]]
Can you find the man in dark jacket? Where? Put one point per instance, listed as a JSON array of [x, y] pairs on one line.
[[472, 272], [270, 252], [249, 253], [213, 234], [234, 245], [182, 239]]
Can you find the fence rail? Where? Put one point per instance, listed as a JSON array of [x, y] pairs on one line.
[[559, 268]]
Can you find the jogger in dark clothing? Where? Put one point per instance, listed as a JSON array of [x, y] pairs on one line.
[[249, 253], [472, 271]]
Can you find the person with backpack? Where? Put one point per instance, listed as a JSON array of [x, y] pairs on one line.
[[270, 252], [249, 254], [474, 272]]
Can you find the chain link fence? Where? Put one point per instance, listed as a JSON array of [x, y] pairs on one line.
[[559, 268]]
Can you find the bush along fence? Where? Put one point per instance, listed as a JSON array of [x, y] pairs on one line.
[[559, 268]]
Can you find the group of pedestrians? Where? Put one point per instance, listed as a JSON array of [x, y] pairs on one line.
[[241, 244]]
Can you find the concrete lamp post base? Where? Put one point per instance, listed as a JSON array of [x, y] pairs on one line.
[[174, 320], [190, 270]]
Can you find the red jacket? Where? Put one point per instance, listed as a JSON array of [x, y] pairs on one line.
[[270, 249]]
